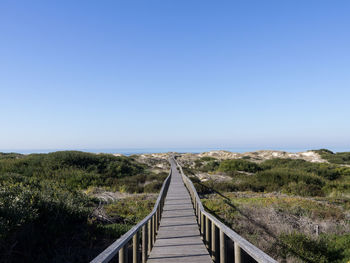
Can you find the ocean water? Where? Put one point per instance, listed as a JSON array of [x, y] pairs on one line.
[[130, 151]]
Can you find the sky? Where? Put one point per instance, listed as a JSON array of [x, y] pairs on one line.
[[159, 74]]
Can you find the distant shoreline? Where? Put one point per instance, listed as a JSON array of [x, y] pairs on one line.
[[179, 150]]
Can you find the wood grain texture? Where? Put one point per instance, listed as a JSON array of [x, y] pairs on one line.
[[178, 239]]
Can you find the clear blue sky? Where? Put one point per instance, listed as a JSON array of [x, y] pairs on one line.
[[138, 74]]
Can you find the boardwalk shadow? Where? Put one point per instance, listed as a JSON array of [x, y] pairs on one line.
[[173, 237], [251, 219], [184, 256]]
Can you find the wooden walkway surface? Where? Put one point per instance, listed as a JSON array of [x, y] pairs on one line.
[[178, 239]]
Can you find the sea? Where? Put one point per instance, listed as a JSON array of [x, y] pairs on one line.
[[131, 151]]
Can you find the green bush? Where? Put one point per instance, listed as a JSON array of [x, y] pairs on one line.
[[45, 217], [231, 166], [324, 170], [207, 164], [337, 158], [75, 169], [319, 250]]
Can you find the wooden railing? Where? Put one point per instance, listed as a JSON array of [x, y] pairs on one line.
[[223, 244], [136, 244]]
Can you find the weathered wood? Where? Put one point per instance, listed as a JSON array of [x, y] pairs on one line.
[[207, 233], [150, 234], [178, 238], [123, 254], [144, 244], [222, 247], [238, 258], [202, 225], [213, 242], [135, 248], [153, 229]]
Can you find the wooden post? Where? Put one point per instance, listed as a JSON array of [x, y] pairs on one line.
[[207, 233], [156, 221], [238, 258], [144, 243], [199, 212], [154, 229], [199, 220], [222, 247], [194, 206], [135, 248], [149, 235], [213, 242], [159, 214], [202, 225], [123, 254]]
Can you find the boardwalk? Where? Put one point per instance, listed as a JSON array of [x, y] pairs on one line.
[[178, 239]]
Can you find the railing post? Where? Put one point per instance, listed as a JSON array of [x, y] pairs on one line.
[[207, 233], [238, 258], [144, 243], [154, 229], [194, 206], [156, 221], [213, 242], [123, 254], [149, 235], [135, 248], [202, 225], [222, 247], [199, 212], [159, 214]]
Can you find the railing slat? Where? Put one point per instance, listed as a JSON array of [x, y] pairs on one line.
[[213, 242], [238, 256], [149, 236], [123, 255], [144, 244], [135, 248], [222, 247]]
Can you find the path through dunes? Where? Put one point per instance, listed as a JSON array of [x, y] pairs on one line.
[[178, 239]]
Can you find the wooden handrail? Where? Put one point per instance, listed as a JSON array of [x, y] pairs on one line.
[[146, 229], [216, 242]]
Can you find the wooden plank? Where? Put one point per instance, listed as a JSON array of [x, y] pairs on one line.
[[178, 239]]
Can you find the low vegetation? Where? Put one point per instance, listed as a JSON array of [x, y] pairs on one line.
[[296, 211], [45, 215], [337, 158]]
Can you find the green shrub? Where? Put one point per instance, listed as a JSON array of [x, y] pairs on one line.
[[231, 166], [324, 170], [206, 164], [131, 210], [114, 231], [319, 250], [45, 217], [337, 158], [78, 170], [153, 187]]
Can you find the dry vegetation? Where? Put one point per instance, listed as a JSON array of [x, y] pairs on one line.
[[293, 209]]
